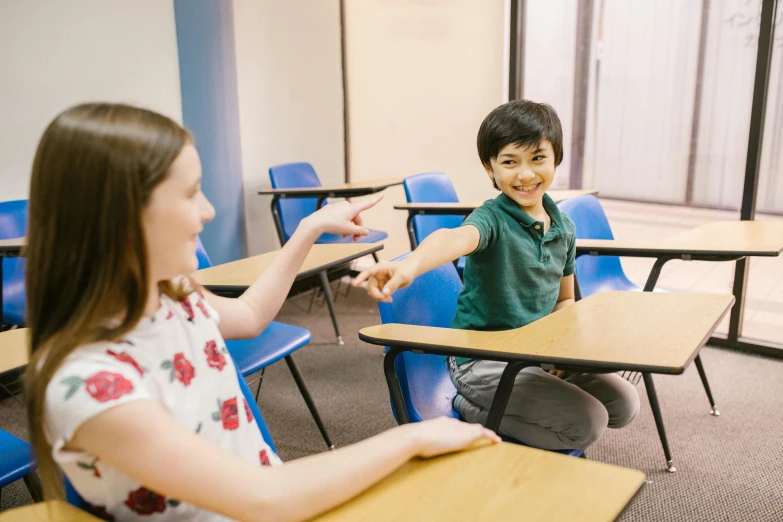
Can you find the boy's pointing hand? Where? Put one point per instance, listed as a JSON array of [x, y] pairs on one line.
[[384, 279]]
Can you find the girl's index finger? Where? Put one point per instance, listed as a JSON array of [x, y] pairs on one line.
[[364, 205]]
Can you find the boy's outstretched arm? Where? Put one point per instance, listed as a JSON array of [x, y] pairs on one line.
[[442, 246]]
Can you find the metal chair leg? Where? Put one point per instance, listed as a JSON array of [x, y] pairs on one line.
[[375, 256], [648, 383], [330, 304], [703, 375], [34, 486], [260, 381], [308, 399]]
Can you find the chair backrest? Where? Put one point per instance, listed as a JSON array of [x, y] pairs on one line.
[[13, 218], [293, 210], [13, 224], [428, 188], [430, 300], [75, 499], [201, 255], [594, 272]]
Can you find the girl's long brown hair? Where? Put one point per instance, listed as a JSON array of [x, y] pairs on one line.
[[87, 275]]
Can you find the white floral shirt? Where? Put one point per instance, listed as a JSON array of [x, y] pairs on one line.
[[179, 359]]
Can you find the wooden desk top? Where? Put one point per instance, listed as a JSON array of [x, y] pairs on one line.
[[608, 331], [721, 238], [498, 483], [469, 206], [13, 349], [11, 247], [51, 511], [345, 190], [494, 483], [242, 273]]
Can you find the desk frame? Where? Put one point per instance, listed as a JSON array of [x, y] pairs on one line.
[[663, 256]]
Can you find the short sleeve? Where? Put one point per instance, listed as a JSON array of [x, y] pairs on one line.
[[87, 384], [485, 221], [570, 264]]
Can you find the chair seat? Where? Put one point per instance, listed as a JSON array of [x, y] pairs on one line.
[[17, 458], [13, 291], [431, 392], [373, 237], [274, 343]]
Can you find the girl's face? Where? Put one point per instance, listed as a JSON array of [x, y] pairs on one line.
[[175, 217]]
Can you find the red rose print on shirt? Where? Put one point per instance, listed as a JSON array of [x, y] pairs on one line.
[[145, 502], [188, 309], [247, 411], [215, 359], [126, 358], [181, 369], [200, 305], [227, 413], [264, 457], [169, 315], [103, 386], [98, 511]]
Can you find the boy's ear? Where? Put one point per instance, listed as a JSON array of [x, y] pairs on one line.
[[488, 169]]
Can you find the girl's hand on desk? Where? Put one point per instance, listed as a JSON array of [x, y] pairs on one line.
[[342, 218], [444, 435], [384, 279]]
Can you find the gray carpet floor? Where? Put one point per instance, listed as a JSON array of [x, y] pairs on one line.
[[729, 468]]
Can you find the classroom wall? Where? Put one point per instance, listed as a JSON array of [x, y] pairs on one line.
[[421, 77], [56, 54], [289, 77]]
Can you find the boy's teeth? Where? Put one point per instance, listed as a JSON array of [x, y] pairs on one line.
[[528, 188]]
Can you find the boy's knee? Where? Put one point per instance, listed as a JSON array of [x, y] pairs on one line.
[[590, 424], [625, 410]]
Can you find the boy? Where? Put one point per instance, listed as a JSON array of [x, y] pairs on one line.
[[520, 267]]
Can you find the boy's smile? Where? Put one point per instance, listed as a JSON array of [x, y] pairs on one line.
[[524, 173]]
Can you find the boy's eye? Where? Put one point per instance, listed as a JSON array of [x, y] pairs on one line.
[[539, 158], [508, 162]]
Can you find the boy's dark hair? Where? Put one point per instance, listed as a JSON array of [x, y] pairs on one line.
[[523, 123]]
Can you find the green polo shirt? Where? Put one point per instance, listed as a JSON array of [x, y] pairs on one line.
[[513, 276]]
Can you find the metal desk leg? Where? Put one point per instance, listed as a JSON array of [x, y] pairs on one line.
[[393, 382], [656, 409], [330, 304], [502, 394], [411, 233], [703, 376]]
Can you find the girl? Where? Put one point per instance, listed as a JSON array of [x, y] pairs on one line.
[[131, 391]]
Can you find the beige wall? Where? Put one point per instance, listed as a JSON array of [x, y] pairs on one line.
[[54, 54], [422, 75], [289, 76]]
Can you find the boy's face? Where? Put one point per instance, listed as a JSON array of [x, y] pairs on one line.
[[524, 173]]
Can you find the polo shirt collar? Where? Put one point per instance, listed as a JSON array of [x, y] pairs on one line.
[[511, 208]]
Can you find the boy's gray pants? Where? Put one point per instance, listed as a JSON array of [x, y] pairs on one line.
[[545, 411]]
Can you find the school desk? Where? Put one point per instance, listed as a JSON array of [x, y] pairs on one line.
[[499, 483], [13, 349], [236, 276], [716, 241], [345, 190], [606, 332]]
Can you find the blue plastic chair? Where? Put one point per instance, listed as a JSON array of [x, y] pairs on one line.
[[18, 462], [595, 273], [430, 300], [288, 212], [73, 497], [277, 342], [13, 224], [431, 187]]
